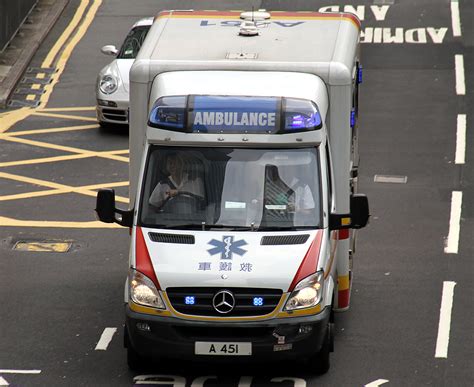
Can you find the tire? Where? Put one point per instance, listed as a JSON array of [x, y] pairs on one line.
[[319, 363], [134, 361]]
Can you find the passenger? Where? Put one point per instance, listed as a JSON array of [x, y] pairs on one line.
[[176, 183]]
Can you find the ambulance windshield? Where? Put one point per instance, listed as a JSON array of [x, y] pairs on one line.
[[258, 189]]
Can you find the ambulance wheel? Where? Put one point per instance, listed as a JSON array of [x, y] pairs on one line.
[[134, 361], [319, 363]]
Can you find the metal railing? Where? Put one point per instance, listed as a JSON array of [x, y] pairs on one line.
[[12, 15]]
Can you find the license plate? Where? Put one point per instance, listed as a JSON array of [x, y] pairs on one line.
[[222, 349]]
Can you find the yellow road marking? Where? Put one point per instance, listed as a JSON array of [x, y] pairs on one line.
[[49, 130], [20, 114], [9, 222], [12, 118], [68, 117], [106, 155], [61, 64], [57, 188], [48, 61], [70, 109], [30, 97], [43, 160], [52, 247], [36, 86]]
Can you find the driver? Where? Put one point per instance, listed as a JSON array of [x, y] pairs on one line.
[[177, 182]]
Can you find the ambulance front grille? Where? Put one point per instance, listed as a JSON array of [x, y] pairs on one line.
[[171, 238], [198, 301], [284, 239]]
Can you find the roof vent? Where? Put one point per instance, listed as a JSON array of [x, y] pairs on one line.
[[254, 16], [248, 28]]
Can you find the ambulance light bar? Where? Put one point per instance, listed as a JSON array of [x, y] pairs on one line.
[[234, 114]]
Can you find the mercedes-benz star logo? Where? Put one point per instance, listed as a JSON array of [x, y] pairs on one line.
[[223, 302]]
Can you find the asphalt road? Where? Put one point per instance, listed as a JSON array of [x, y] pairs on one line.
[[57, 305]]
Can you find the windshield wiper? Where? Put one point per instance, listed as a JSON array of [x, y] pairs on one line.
[[287, 228], [229, 227], [184, 226]]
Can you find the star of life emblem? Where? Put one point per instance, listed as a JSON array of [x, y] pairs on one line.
[[227, 247]]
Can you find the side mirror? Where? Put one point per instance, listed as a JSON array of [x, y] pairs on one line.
[[106, 211], [359, 211], [358, 218], [110, 49]]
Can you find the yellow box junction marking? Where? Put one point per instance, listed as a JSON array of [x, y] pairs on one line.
[[58, 188], [68, 117], [58, 58], [51, 247]]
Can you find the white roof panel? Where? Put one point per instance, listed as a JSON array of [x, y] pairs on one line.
[[299, 41]]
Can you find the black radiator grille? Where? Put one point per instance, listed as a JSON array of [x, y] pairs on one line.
[[172, 238], [244, 301], [284, 239]]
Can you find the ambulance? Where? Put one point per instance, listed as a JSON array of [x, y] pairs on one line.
[[243, 179]]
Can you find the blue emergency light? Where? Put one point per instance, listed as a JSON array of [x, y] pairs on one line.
[[189, 300], [234, 114], [353, 118], [359, 74], [258, 301]]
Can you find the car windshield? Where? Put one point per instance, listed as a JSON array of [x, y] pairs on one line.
[[254, 189], [133, 42]]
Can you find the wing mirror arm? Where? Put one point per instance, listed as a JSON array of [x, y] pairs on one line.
[[108, 213]]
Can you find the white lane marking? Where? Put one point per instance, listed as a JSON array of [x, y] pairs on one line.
[[376, 383], [105, 339], [444, 327], [3, 382], [460, 80], [461, 139], [20, 371], [455, 18], [452, 242], [390, 179]]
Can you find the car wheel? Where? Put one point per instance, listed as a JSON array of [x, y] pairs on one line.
[[134, 361], [319, 363]]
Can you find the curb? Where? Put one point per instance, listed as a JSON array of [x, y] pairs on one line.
[[7, 86]]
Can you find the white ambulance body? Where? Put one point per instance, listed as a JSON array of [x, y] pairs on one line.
[[243, 162]]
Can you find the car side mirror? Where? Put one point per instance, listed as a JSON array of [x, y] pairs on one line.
[[358, 217], [109, 49], [108, 213], [359, 211]]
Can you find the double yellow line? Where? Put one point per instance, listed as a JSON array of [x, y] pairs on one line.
[[59, 54]]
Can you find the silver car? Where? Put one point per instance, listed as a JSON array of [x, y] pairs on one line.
[[113, 80]]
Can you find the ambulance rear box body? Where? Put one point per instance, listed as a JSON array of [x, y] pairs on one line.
[[243, 169]]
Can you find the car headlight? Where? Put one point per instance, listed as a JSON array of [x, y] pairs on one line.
[[108, 84], [143, 291], [307, 293]]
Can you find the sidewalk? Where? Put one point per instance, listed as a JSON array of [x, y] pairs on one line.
[[15, 58]]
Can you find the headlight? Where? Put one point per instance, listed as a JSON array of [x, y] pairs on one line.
[[108, 84], [143, 291], [307, 293]]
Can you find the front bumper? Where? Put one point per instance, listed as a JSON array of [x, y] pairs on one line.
[[170, 337], [117, 114]]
